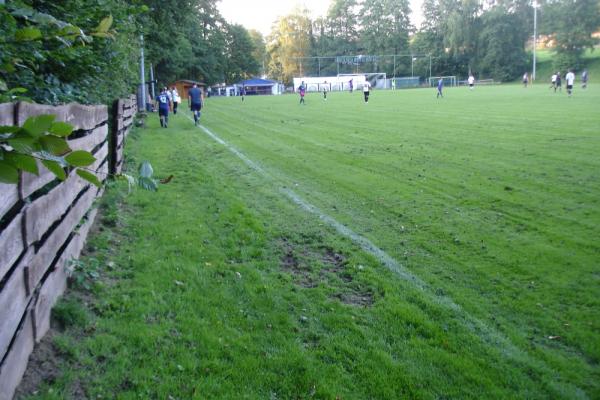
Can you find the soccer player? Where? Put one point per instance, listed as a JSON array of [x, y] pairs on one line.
[[440, 86], [195, 102], [570, 78], [325, 91], [525, 79], [471, 81], [302, 92], [176, 99], [366, 88], [162, 101], [393, 84], [243, 92], [584, 79], [558, 83], [553, 82], [351, 85]]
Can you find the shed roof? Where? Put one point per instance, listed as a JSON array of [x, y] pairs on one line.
[[190, 82], [257, 82]]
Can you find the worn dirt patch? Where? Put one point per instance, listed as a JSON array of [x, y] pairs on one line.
[[356, 298], [44, 367], [291, 263], [335, 263]]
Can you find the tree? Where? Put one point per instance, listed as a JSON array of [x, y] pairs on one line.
[[342, 27], [240, 48], [385, 26], [259, 54], [56, 61], [290, 40], [501, 45], [572, 22]]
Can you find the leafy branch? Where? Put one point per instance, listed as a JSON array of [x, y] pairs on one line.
[[43, 139]]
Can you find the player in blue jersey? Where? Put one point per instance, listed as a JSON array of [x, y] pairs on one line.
[[302, 92], [195, 102], [440, 86], [163, 103]]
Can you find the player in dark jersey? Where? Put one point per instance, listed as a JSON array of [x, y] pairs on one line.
[[302, 92], [162, 100], [440, 87], [195, 102]]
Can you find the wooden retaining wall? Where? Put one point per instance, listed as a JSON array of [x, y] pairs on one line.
[[43, 225], [124, 113]]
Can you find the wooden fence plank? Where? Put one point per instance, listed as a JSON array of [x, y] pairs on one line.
[[80, 116], [13, 301], [7, 114], [48, 209], [30, 182], [15, 364], [56, 283], [90, 141], [11, 243], [41, 260], [128, 112], [8, 197]]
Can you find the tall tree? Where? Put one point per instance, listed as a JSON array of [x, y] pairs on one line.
[[572, 22], [342, 26], [241, 63], [385, 26], [260, 49], [501, 48], [288, 43]]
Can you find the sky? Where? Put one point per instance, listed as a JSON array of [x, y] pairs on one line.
[[260, 14]]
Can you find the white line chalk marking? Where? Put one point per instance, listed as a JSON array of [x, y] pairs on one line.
[[476, 326]]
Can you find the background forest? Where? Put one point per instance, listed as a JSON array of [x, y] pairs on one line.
[[88, 50]]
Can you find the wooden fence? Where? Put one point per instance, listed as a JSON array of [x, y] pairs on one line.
[[124, 111], [43, 225]]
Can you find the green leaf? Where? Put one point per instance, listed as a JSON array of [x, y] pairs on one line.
[[8, 173], [61, 129], [3, 86], [104, 25], [36, 126], [22, 161], [8, 129], [23, 143], [17, 90], [146, 170], [44, 155], [55, 145], [55, 168], [80, 158], [27, 34], [88, 176], [70, 30], [147, 184], [103, 35]]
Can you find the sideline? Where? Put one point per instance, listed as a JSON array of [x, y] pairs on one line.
[[476, 326]]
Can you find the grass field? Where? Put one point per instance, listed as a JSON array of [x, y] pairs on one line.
[[221, 286]]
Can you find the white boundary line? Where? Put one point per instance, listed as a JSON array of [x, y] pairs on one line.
[[475, 325]]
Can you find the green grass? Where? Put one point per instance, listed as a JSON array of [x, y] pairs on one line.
[[221, 287]]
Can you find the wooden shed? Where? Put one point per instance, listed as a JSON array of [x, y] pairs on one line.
[[184, 85]]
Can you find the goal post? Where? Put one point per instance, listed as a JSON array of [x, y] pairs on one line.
[[448, 80]]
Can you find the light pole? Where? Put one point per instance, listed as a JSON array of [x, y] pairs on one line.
[[534, 37], [142, 73]]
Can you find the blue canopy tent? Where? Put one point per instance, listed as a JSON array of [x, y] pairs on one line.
[[256, 86]]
